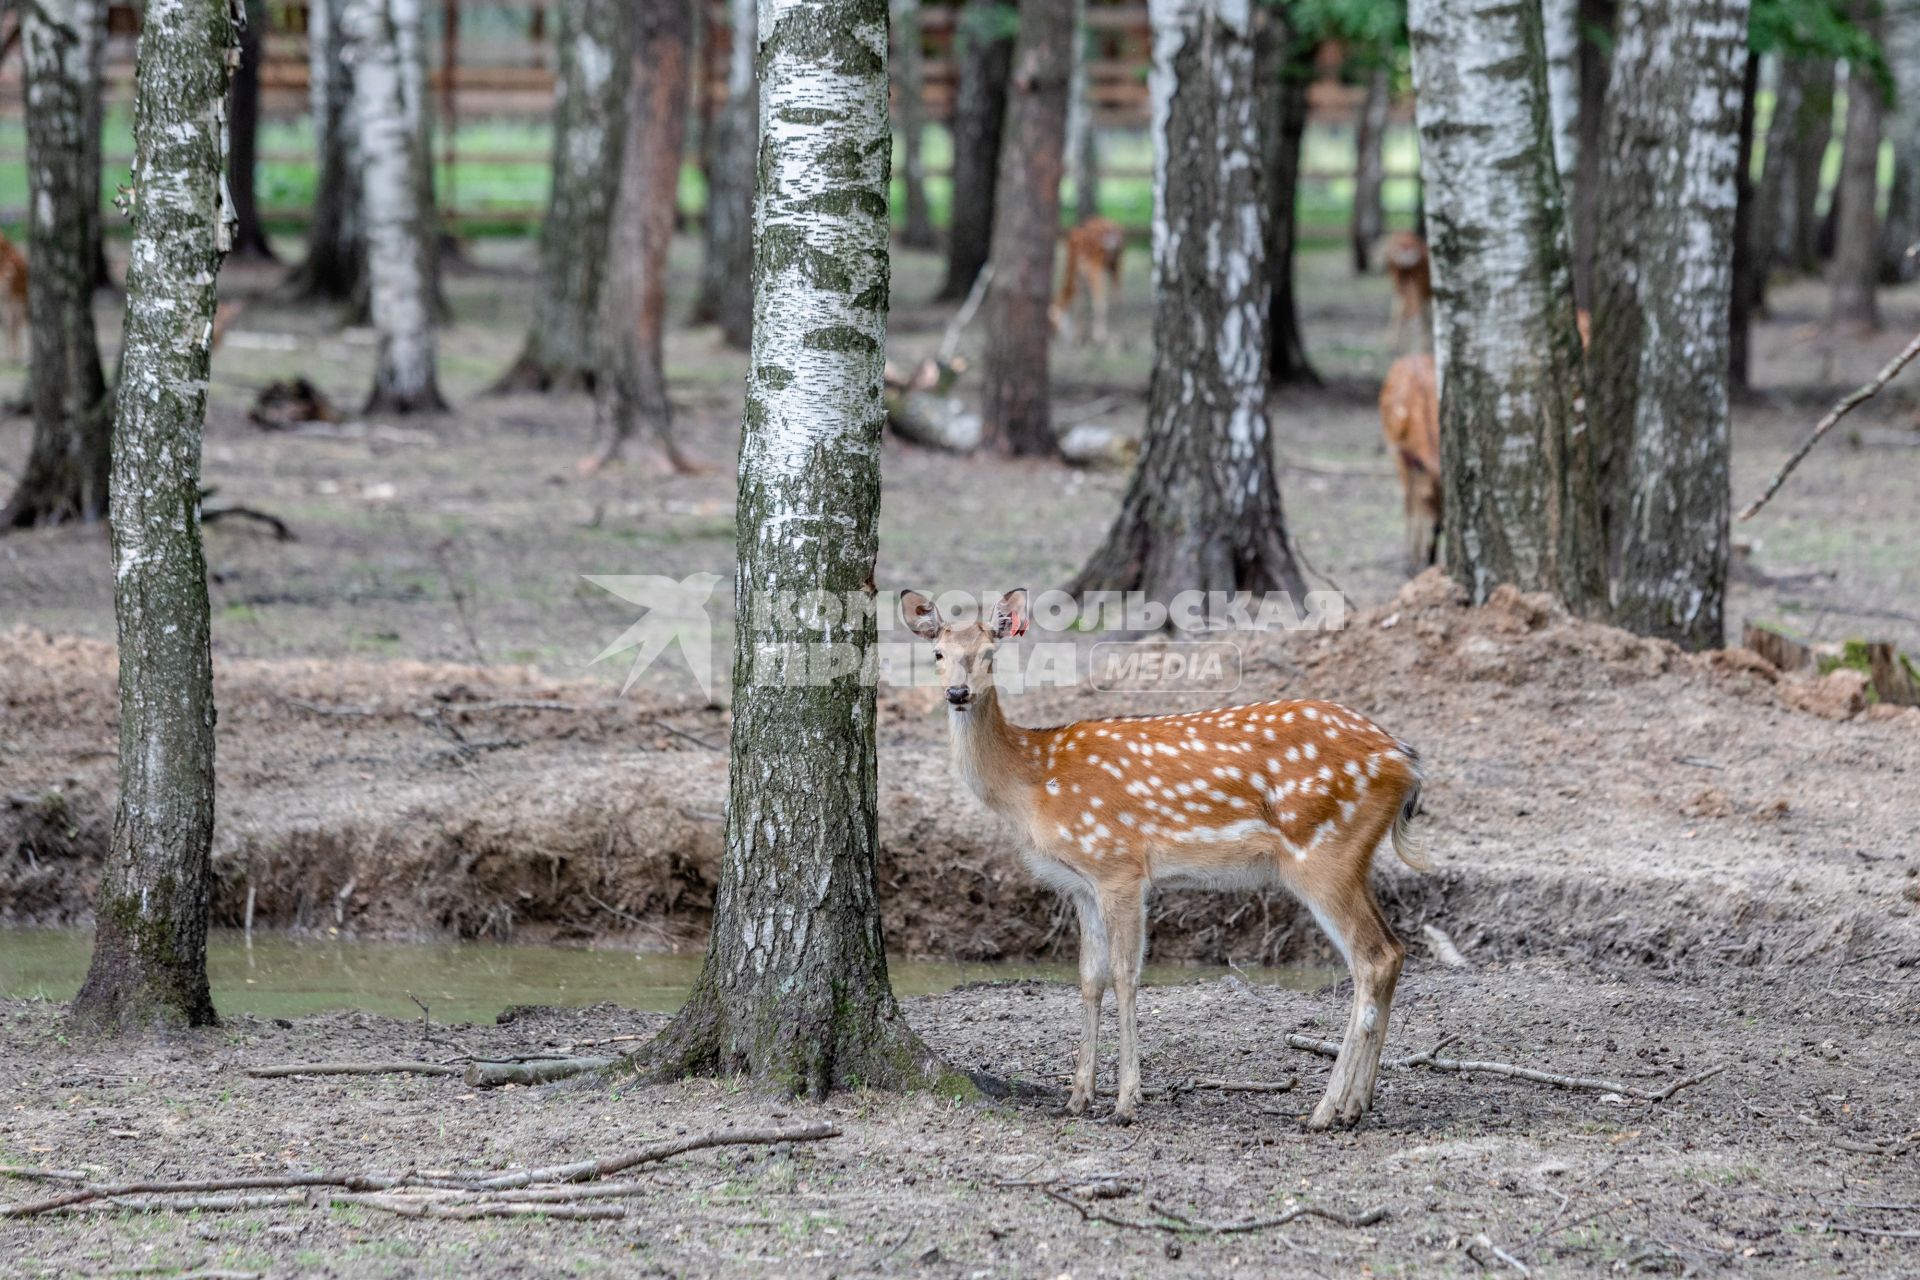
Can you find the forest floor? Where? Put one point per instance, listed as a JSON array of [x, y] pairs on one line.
[[1654, 862]]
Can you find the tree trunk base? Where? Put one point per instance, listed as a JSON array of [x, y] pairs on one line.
[[398, 404], [854, 1049], [126, 991], [529, 373]]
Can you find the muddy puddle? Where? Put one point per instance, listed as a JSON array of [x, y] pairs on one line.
[[281, 976]]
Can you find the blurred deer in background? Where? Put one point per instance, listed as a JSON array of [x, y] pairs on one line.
[[1093, 259], [1410, 272], [1296, 794], [13, 295], [1410, 420]]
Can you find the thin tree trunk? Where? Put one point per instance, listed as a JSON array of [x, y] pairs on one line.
[[1520, 500], [1286, 69], [563, 350], [1562, 23], [794, 991], [1083, 136], [1899, 259], [1811, 140], [1855, 276], [150, 936], [67, 468], [1596, 21], [726, 273], [336, 262], [984, 40], [1202, 512], [250, 240], [1369, 170], [1664, 268], [1015, 401], [410, 38], [1765, 224], [398, 268], [634, 396], [911, 113], [1748, 268]]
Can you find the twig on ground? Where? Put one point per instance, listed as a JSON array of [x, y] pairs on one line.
[[322, 709], [394, 1068], [1876, 1147], [1175, 1224], [1846, 404], [282, 532], [1430, 1059], [491, 1075], [1195, 1084], [158, 1197], [1854, 1229], [1485, 1242], [1443, 949], [694, 738]]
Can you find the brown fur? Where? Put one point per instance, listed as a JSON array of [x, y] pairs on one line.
[[13, 295], [1094, 249], [1411, 273], [1293, 793], [1410, 420]]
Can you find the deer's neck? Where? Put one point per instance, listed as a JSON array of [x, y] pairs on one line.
[[994, 757]]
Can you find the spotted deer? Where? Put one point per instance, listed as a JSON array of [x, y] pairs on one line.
[[1293, 793], [1411, 274], [1093, 259]]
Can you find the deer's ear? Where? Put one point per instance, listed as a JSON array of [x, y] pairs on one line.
[[920, 615], [1010, 615]]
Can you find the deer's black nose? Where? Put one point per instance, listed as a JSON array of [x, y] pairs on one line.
[[959, 696]]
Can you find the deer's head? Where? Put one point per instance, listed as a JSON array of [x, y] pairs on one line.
[[964, 650]]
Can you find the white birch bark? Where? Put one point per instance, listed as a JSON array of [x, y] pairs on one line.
[[1520, 503], [1562, 21], [399, 285], [1663, 276]]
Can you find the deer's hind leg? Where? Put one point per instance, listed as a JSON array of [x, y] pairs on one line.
[[1352, 918]]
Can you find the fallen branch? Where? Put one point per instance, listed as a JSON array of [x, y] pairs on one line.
[[478, 1186], [1178, 1224], [1430, 1059], [1848, 1228], [351, 1069], [1846, 404], [1199, 1083], [416, 1207], [491, 1075]]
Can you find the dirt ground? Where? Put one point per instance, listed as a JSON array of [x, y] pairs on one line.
[[1654, 862]]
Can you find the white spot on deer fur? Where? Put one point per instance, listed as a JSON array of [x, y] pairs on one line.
[[1293, 753], [1346, 809], [1126, 818], [1287, 718], [1268, 733], [1086, 818], [1311, 714], [1370, 1017], [1309, 751], [1053, 786]]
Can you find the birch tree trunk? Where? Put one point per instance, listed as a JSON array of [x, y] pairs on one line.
[[911, 112], [398, 265], [634, 395], [336, 263], [726, 272], [1765, 224], [67, 467], [1748, 269], [250, 239], [1083, 138], [1561, 19], [794, 990], [150, 933], [1202, 512], [1901, 40], [1855, 276], [563, 349], [1015, 400], [984, 39], [1285, 65], [1369, 221], [1662, 283], [1520, 500]]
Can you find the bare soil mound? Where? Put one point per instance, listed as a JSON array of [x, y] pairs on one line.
[[1592, 794]]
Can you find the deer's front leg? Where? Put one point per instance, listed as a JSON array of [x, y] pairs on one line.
[[1093, 988], [1127, 937]]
